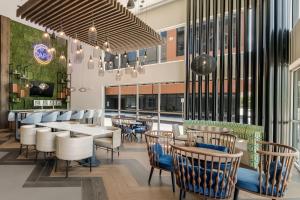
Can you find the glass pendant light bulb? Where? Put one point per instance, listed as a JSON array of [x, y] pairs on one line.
[[118, 75], [69, 64], [125, 55], [145, 54]]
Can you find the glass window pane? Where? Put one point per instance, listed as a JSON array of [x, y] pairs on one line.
[[163, 47], [111, 98], [180, 41], [111, 61], [151, 56]]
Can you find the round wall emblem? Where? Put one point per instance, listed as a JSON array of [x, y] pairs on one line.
[[41, 54]]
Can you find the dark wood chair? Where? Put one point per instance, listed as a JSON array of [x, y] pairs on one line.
[[195, 174], [275, 167], [158, 146]]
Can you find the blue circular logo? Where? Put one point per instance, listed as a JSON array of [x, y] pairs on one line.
[[41, 54]]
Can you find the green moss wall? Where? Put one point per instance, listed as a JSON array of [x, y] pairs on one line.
[[23, 38]]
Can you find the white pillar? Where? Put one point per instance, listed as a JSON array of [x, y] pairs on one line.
[[119, 101], [137, 100], [158, 107]]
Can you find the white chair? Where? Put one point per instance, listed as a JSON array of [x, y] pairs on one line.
[[73, 148], [45, 142], [97, 117], [176, 133], [110, 143], [28, 136], [89, 114]]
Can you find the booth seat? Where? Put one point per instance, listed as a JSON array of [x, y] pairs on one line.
[[248, 135]]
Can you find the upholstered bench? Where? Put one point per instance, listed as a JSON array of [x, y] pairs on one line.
[[247, 137]]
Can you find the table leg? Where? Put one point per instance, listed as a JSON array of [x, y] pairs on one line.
[[94, 161], [17, 134]]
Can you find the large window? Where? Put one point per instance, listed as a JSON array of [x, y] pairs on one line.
[[180, 41], [128, 99], [163, 55], [111, 98], [112, 62], [130, 58], [151, 56]]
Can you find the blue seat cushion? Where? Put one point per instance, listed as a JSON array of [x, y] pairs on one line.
[[216, 178], [278, 170], [140, 129], [249, 180], [212, 146], [166, 162], [157, 149]]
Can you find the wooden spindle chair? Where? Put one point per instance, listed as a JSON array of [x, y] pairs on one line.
[[159, 151], [195, 174], [274, 171], [221, 139]]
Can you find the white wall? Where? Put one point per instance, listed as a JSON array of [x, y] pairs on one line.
[[168, 15]]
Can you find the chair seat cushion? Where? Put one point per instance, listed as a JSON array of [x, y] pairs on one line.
[[140, 129], [249, 180], [212, 146], [103, 142], [166, 162], [181, 137]]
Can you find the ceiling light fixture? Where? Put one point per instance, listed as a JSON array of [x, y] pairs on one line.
[[91, 63], [46, 38], [62, 58], [130, 4]]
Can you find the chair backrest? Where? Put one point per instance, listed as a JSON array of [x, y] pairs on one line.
[[149, 125], [175, 129], [275, 167], [215, 138], [45, 140], [89, 114], [50, 117], [117, 138], [33, 118], [210, 175], [158, 143], [11, 117], [73, 148], [66, 116], [77, 115]]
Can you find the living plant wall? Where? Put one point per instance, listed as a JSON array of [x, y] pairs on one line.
[[24, 68]]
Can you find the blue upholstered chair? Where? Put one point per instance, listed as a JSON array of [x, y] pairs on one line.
[[50, 117], [77, 115], [66, 116], [158, 146], [88, 115], [204, 180], [33, 118], [275, 167]]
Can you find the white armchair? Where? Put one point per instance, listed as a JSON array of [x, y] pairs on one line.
[[73, 148], [110, 143], [28, 136], [45, 142]]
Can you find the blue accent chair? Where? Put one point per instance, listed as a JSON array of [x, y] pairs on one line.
[[66, 116], [33, 118], [77, 115], [271, 179], [50, 117], [158, 146], [205, 181]]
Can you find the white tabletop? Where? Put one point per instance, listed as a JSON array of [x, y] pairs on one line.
[[86, 129]]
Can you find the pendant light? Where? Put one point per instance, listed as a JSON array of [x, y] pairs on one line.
[[110, 65], [79, 54], [96, 51], [125, 54], [134, 73], [91, 63], [62, 58], [128, 69], [106, 45], [51, 50], [130, 4], [61, 36], [92, 33], [74, 44], [101, 69], [118, 75], [145, 55], [46, 38]]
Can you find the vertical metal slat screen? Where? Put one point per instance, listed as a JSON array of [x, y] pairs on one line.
[[249, 40]]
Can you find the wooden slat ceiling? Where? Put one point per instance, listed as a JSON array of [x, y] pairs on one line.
[[124, 30]]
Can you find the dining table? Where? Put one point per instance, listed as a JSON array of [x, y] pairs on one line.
[[80, 130]]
